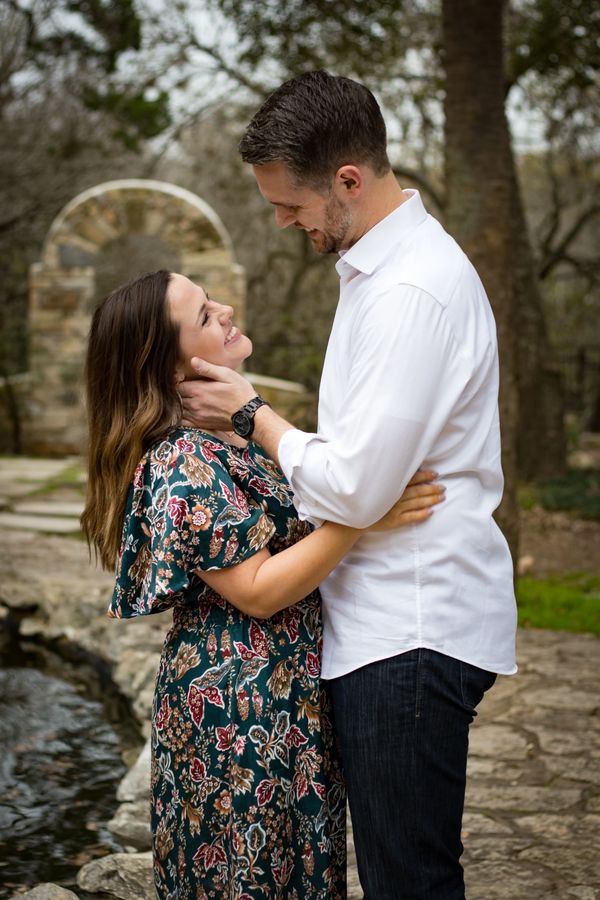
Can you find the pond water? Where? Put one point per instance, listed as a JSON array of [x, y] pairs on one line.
[[60, 765]]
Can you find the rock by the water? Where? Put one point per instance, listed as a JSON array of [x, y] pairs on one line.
[[130, 825], [125, 876], [136, 784], [46, 891]]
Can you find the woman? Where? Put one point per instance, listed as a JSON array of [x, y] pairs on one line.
[[247, 794]]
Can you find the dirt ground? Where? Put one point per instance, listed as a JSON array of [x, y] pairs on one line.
[[556, 543]]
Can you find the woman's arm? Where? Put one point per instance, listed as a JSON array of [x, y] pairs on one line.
[[265, 584]]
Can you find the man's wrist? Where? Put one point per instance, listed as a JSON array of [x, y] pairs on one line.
[[269, 428], [243, 419], [246, 393]]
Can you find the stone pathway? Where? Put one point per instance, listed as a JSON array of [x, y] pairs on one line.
[[532, 822], [31, 490], [532, 818]]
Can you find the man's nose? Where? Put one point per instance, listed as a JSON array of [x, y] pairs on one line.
[[283, 218]]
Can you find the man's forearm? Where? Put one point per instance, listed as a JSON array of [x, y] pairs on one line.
[[269, 428]]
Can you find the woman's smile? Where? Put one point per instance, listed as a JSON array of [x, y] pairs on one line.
[[205, 326], [233, 335]]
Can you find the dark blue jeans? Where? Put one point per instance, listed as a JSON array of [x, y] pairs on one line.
[[403, 728]]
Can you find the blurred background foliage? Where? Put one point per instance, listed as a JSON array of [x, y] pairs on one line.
[[92, 90]]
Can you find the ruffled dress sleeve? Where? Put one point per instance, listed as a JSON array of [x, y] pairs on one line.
[[184, 514]]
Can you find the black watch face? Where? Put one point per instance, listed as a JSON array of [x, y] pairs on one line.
[[242, 424]]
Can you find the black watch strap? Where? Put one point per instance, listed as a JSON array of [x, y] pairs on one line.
[[243, 420]]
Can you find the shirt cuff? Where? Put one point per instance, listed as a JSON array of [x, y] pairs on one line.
[[291, 450]]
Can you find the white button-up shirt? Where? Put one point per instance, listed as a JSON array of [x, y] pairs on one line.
[[410, 380]]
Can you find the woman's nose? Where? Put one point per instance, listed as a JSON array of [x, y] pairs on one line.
[[225, 312]]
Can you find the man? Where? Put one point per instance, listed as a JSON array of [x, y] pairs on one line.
[[416, 623]]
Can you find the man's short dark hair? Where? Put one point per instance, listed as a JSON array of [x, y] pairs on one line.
[[315, 123]]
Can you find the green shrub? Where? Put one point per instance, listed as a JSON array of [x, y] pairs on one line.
[[578, 491], [568, 603]]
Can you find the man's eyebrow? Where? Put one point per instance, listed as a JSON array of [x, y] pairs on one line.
[[285, 205]]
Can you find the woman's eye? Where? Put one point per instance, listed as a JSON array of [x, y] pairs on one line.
[[205, 318]]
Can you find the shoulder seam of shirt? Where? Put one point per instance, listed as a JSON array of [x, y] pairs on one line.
[[460, 349]]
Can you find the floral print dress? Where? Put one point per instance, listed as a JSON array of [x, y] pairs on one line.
[[247, 794]]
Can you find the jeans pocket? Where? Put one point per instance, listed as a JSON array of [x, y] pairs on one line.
[[474, 682]]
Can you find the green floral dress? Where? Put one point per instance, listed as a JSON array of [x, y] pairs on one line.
[[247, 794]]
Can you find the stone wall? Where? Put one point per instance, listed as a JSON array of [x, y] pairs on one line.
[[104, 237]]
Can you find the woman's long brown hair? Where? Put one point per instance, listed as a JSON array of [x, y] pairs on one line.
[[132, 400]]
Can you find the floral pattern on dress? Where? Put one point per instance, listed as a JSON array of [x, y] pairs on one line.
[[248, 799]]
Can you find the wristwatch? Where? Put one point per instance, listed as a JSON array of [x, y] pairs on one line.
[[243, 419]]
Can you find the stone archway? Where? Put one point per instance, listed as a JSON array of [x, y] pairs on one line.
[[105, 235]]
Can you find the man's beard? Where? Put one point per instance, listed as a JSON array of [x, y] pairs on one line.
[[335, 234]]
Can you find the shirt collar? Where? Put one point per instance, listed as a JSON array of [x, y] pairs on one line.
[[374, 246]]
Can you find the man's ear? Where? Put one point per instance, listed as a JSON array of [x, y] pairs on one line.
[[349, 180]]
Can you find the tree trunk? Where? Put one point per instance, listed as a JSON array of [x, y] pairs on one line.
[[541, 440], [479, 188]]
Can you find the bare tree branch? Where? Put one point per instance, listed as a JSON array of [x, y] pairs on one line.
[[287, 256], [553, 217], [419, 179], [560, 253], [228, 70]]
